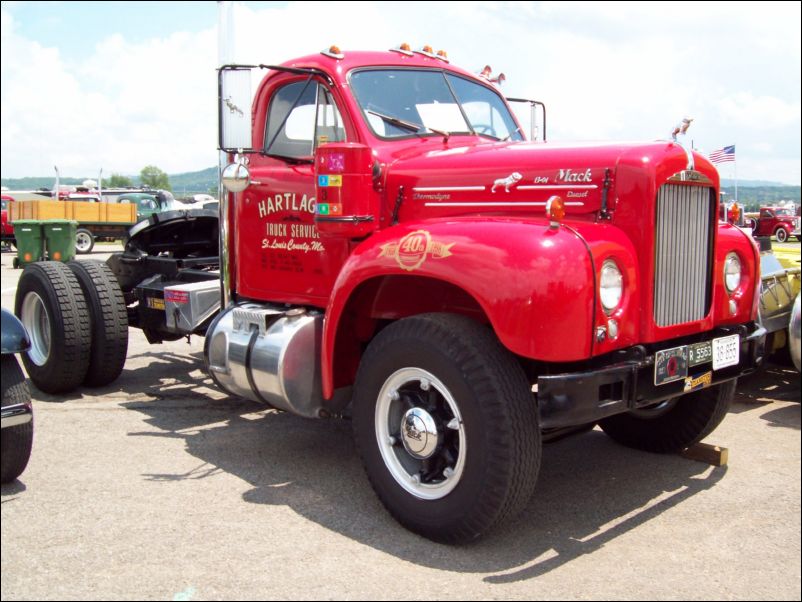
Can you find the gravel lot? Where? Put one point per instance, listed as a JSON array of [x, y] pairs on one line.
[[162, 487]]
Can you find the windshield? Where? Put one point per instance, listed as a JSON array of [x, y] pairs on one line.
[[784, 212], [407, 102]]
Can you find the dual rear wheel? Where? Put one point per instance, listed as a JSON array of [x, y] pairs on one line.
[[76, 319]]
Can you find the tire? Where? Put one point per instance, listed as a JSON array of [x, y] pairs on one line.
[[84, 241], [781, 234], [109, 319], [16, 440], [478, 401], [752, 223], [675, 425], [51, 305]]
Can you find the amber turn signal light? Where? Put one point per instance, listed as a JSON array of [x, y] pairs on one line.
[[555, 210]]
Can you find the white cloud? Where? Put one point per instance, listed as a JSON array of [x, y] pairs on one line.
[[743, 109], [606, 71], [130, 104]]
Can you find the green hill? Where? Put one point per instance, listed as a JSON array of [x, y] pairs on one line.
[[193, 182], [753, 197], [752, 193]]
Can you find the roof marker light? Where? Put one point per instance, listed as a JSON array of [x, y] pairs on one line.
[[404, 49], [427, 51], [333, 52], [442, 55]]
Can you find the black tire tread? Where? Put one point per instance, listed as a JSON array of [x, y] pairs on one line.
[[499, 382], [69, 316], [17, 441], [109, 318], [695, 416]]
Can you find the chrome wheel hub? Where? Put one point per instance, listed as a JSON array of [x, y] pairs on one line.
[[82, 241], [420, 434], [36, 321]]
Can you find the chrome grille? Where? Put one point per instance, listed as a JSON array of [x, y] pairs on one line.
[[682, 254]]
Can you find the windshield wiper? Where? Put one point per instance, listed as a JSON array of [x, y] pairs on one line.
[[408, 125]]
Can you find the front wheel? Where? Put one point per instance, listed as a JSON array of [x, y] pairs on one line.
[[781, 234], [446, 426], [673, 425]]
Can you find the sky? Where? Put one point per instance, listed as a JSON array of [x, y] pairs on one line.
[[116, 86]]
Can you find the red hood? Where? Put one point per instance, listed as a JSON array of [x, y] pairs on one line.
[[518, 177]]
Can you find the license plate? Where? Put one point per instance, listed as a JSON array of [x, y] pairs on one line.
[[670, 365], [726, 351], [700, 353]]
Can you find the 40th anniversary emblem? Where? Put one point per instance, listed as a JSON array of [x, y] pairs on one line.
[[413, 249]]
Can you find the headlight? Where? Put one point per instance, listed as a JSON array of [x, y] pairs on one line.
[[732, 272], [611, 285]]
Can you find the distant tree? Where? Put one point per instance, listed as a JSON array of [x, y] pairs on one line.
[[154, 177], [213, 190], [118, 181]]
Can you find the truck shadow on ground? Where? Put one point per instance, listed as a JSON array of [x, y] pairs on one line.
[[167, 376], [590, 490], [774, 383]]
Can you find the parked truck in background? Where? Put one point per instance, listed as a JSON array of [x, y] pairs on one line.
[[394, 249], [95, 219], [782, 222], [6, 229], [149, 202]]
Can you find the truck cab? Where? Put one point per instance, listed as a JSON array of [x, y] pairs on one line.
[[148, 203], [781, 222], [392, 247]]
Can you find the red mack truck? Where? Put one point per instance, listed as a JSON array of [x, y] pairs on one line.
[[393, 249]]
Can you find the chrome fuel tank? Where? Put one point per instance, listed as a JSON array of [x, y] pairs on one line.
[[268, 355]]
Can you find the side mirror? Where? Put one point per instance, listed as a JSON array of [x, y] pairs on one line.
[[536, 119], [234, 108]]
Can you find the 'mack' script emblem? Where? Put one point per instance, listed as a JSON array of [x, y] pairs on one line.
[[412, 250]]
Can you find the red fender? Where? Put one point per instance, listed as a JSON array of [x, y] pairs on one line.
[[546, 307]]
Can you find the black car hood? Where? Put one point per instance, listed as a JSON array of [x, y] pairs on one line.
[[181, 233]]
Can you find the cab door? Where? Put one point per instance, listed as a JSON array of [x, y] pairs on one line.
[[281, 255]]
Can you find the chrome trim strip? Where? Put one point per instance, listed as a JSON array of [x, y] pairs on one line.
[[509, 204], [558, 187], [447, 188], [16, 415]]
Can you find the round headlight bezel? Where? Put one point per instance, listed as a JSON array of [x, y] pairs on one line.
[[733, 272], [611, 286]]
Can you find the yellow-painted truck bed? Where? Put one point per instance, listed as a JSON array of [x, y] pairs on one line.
[[85, 213]]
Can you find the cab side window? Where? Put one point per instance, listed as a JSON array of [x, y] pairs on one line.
[[302, 115]]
